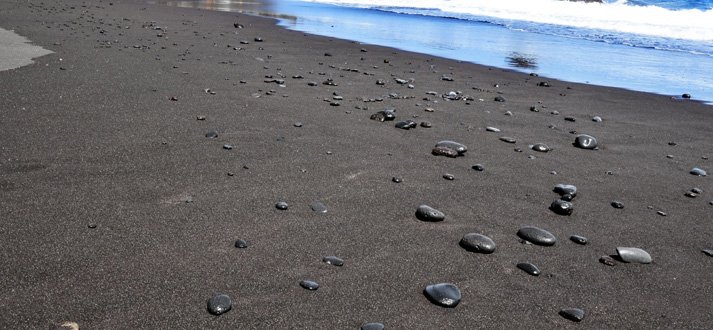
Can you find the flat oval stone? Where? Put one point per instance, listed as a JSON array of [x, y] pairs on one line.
[[479, 167], [309, 285], [443, 294], [458, 147], [617, 205], [697, 171], [219, 304], [585, 141], [581, 240], [540, 147], [529, 268], [332, 260], [537, 236], [241, 244], [449, 176], [396, 179], [562, 207], [607, 260], [281, 206], [406, 124], [572, 314], [372, 326], [492, 129], [508, 139], [444, 151], [477, 243], [597, 119], [211, 135], [318, 207], [227, 147], [427, 213], [564, 189], [633, 255]]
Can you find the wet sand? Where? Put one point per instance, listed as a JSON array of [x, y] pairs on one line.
[[118, 212]]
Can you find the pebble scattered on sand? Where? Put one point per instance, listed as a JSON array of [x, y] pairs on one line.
[[241, 244], [633, 255], [397, 179], [478, 167], [537, 236], [708, 252], [508, 139], [597, 119], [562, 207], [318, 207], [384, 115], [227, 147], [427, 213], [699, 172], [458, 147], [529, 268], [477, 243], [309, 285], [449, 176], [372, 326], [581, 240], [540, 147], [607, 260], [492, 129], [572, 314], [211, 135], [219, 304], [617, 205], [406, 124], [585, 141], [281, 205], [565, 189], [443, 294]]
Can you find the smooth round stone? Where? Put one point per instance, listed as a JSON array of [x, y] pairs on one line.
[[699, 172], [372, 326], [477, 243], [581, 240], [318, 207], [697, 190], [499, 99], [219, 304], [406, 124], [458, 147], [567, 197], [479, 167], [211, 135], [227, 147], [617, 205], [309, 285], [585, 141], [241, 244], [537, 236], [332, 260], [492, 129], [449, 176], [572, 314], [565, 189], [443, 294], [508, 139], [282, 206], [426, 124], [396, 179], [562, 207], [633, 255], [540, 147], [427, 213], [444, 151], [529, 268], [597, 119]]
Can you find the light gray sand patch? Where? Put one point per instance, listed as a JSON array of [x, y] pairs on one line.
[[16, 50]]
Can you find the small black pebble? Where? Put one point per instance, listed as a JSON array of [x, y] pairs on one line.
[[479, 167], [529, 268], [448, 176], [372, 326], [396, 179], [617, 205], [309, 285], [572, 314], [281, 206], [581, 240], [332, 260], [607, 260], [92, 225], [219, 304], [241, 244]]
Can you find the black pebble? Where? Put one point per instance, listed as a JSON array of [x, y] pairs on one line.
[[372, 326], [332, 260], [708, 252], [562, 207], [211, 135], [529, 268], [477, 243], [427, 213], [617, 205], [426, 124], [499, 99], [537, 236], [443, 294], [281, 205], [241, 244], [572, 314], [479, 167], [92, 225], [406, 124], [581, 240], [318, 207], [508, 139], [219, 304], [607, 260], [449, 176], [309, 285]]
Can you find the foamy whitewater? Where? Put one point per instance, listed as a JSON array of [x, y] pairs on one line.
[[670, 25]]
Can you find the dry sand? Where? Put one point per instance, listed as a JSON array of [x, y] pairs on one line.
[[116, 212]]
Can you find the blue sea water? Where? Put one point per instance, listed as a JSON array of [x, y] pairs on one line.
[[663, 47]]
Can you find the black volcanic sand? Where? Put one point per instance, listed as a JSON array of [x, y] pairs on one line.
[[117, 212]]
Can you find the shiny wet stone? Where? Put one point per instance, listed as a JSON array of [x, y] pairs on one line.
[[458, 147], [211, 135], [241, 244], [318, 207], [529, 268], [449, 176], [617, 205], [540, 147], [708, 252], [537, 236], [396, 179], [219, 304], [697, 171], [443, 294], [585, 141], [565, 189], [309, 285], [633, 255], [384, 115], [372, 326], [227, 147], [581, 240], [572, 314], [479, 167], [406, 124], [477, 243], [427, 213], [562, 207], [332, 260], [508, 139], [282, 205], [492, 129]]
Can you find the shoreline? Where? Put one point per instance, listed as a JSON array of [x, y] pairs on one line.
[[120, 211]]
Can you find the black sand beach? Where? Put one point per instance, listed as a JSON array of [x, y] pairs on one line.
[[117, 212]]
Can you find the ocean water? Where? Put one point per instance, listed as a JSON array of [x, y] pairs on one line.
[[663, 47]]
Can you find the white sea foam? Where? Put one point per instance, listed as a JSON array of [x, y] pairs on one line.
[[617, 16]]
